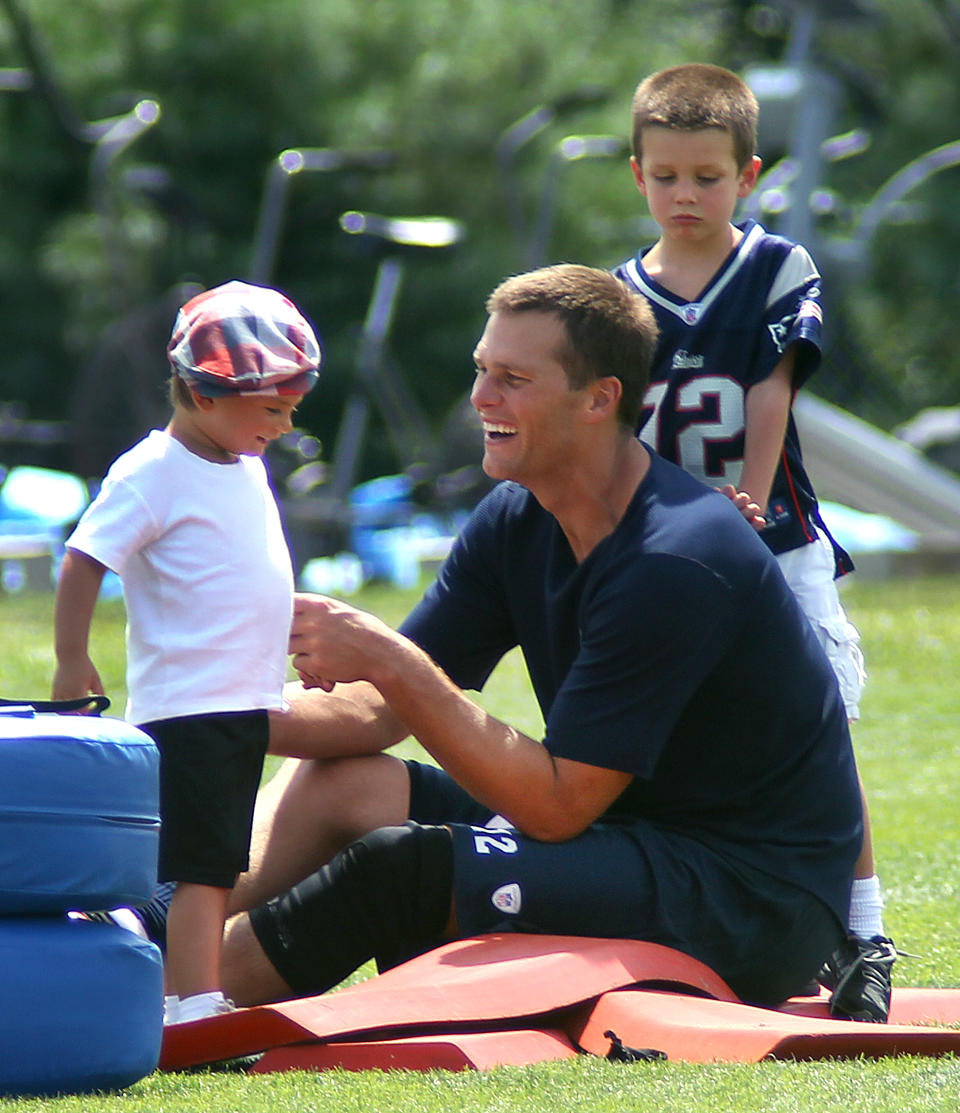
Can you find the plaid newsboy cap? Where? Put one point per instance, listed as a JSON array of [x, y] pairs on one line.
[[244, 339]]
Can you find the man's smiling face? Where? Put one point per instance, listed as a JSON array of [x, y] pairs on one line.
[[524, 398]]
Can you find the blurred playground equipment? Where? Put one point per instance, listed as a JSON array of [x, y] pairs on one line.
[[325, 510], [375, 525]]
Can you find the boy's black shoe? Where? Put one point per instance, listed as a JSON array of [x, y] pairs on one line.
[[858, 973]]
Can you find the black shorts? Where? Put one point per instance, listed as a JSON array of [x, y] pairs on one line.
[[630, 879], [210, 770]]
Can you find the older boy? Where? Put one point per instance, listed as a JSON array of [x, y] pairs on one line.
[[188, 521], [740, 320]]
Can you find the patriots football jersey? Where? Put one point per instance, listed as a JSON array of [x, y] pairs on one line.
[[765, 298]]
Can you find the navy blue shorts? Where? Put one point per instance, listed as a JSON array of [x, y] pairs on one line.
[[210, 770], [630, 879]]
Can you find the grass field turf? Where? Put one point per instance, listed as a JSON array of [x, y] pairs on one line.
[[908, 746]]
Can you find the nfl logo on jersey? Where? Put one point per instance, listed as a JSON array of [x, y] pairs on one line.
[[507, 899]]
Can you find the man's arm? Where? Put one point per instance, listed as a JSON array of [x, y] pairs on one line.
[[548, 798]]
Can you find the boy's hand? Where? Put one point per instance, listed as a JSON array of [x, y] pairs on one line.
[[745, 504], [76, 678]]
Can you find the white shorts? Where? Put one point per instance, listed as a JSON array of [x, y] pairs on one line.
[[809, 571]]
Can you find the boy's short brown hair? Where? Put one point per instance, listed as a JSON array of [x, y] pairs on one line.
[[178, 393], [695, 96]]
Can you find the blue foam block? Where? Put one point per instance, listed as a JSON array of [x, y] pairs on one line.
[[82, 1006], [79, 815]]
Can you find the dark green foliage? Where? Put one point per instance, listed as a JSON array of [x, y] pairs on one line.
[[88, 271]]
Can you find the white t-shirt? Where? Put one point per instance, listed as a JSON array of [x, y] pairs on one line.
[[206, 577]]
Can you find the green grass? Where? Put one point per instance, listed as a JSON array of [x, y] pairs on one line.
[[908, 746]]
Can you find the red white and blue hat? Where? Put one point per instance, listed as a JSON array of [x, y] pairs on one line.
[[244, 339]]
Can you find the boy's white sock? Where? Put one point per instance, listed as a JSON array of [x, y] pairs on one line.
[[200, 1005], [171, 1008], [866, 908]]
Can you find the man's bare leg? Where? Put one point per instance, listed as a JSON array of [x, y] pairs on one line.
[[312, 809], [350, 721], [249, 977]]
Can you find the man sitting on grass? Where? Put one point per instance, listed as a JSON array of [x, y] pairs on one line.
[[695, 786]]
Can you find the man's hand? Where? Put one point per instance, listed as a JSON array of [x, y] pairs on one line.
[[333, 643], [745, 504], [550, 798]]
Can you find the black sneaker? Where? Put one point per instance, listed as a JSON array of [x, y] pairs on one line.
[[858, 973]]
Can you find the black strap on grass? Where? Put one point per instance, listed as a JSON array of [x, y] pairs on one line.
[[618, 1053]]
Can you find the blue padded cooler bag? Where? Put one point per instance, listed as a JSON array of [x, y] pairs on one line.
[[82, 1006], [79, 815]]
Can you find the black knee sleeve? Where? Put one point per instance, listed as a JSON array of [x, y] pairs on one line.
[[386, 896]]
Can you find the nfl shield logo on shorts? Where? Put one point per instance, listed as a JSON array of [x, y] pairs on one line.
[[507, 899]]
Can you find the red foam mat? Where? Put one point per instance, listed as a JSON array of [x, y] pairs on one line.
[[908, 1005], [513, 999], [496, 978], [698, 1030], [464, 1051]]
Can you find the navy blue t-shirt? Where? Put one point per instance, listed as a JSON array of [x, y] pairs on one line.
[[675, 652]]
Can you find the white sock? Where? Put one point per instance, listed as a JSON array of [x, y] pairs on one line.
[[200, 1005], [171, 1008], [866, 908]]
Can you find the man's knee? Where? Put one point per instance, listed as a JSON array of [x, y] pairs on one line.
[[344, 798], [387, 896], [402, 876], [309, 811]]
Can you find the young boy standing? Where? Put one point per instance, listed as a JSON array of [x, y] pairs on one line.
[[187, 519], [740, 318]]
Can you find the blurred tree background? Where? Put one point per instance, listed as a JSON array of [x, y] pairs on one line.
[[106, 226]]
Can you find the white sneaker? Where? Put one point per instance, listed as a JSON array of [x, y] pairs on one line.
[[199, 1006]]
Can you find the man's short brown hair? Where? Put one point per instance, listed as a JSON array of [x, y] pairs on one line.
[[611, 330]]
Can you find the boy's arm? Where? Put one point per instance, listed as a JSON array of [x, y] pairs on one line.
[[767, 411], [77, 589]]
